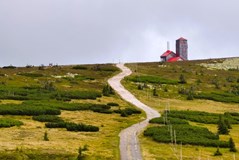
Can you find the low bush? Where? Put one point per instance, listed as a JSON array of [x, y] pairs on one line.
[[152, 79], [77, 94], [32, 75], [219, 97], [170, 120], [70, 126], [202, 117], [112, 104], [79, 67], [186, 134], [24, 109], [182, 79], [56, 125], [127, 111], [81, 127], [109, 68], [7, 122], [107, 90], [101, 108], [81, 78], [9, 67], [47, 118]]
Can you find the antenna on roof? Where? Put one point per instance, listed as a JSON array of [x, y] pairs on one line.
[[168, 45]]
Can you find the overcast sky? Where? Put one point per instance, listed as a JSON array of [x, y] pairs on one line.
[[98, 31]]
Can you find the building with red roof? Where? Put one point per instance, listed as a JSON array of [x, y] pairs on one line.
[[181, 52]]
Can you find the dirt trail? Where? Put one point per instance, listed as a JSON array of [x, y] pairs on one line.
[[129, 144]]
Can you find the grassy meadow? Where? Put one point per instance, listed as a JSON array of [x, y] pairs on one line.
[[187, 86], [31, 96]]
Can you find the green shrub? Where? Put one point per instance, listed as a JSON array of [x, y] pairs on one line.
[[222, 127], [186, 134], [33, 75], [46, 136], [7, 122], [23, 109], [170, 120], [70, 126], [217, 153], [109, 68], [80, 152], [232, 145], [140, 87], [219, 97], [155, 92], [49, 86], [100, 108], [202, 117], [112, 104], [56, 125], [182, 79], [127, 111], [47, 118], [80, 67], [234, 90], [79, 77], [77, 94], [152, 79], [81, 127], [9, 67], [107, 90], [230, 79]]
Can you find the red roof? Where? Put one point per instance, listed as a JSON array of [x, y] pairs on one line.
[[168, 52], [174, 59], [181, 38]]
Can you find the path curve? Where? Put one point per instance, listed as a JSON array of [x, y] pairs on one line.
[[129, 144]]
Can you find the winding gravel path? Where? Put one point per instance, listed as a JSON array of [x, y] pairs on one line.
[[129, 144]]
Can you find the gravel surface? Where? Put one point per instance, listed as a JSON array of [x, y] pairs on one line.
[[129, 144]]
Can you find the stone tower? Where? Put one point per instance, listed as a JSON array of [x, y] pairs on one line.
[[182, 48]]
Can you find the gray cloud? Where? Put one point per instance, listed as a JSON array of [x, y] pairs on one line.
[[98, 31]]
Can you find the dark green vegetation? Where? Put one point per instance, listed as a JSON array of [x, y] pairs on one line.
[[169, 120], [25, 109], [190, 79], [7, 122], [152, 79], [223, 127], [201, 117], [232, 145], [70, 126], [217, 153], [188, 134], [47, 118], [45, 138], [107, 90], [127, 111], [57, 122]]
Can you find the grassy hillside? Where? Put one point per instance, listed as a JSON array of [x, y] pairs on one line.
[[71, 98], [211, 86]]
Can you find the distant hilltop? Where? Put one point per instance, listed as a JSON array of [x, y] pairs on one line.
[[181, 52]]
